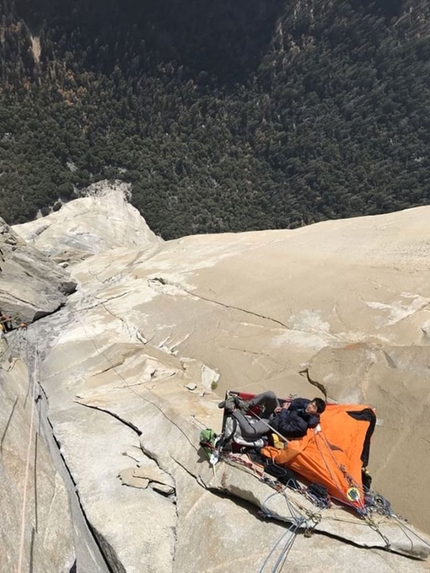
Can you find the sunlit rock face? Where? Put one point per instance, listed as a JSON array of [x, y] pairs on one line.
[[31, 285], [101, 220], [339, 308], [36, 525]]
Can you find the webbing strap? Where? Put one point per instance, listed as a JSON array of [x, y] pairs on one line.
[[225, 439]]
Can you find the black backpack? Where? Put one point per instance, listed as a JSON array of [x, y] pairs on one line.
[[282, 475]]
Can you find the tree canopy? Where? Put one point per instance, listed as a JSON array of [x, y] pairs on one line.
[[224, 116]]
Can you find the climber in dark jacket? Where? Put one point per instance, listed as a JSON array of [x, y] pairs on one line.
[[289, 420], [293, 419]]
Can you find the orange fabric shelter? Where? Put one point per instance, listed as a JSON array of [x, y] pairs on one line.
[[334, 453]]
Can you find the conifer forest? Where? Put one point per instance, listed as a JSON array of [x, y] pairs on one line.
[[223, 116]]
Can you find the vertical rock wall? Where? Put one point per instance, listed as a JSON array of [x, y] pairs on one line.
[[36, 529]]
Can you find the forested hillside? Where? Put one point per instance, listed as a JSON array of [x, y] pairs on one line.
[[225, 116]]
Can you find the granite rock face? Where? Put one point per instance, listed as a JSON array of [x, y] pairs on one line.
[[33, 498], [122, 412], [31, 285], [257, 308], [130, 363], [98, 222]]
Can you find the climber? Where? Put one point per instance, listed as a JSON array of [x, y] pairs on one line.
[[5, 322], [289, 420]]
